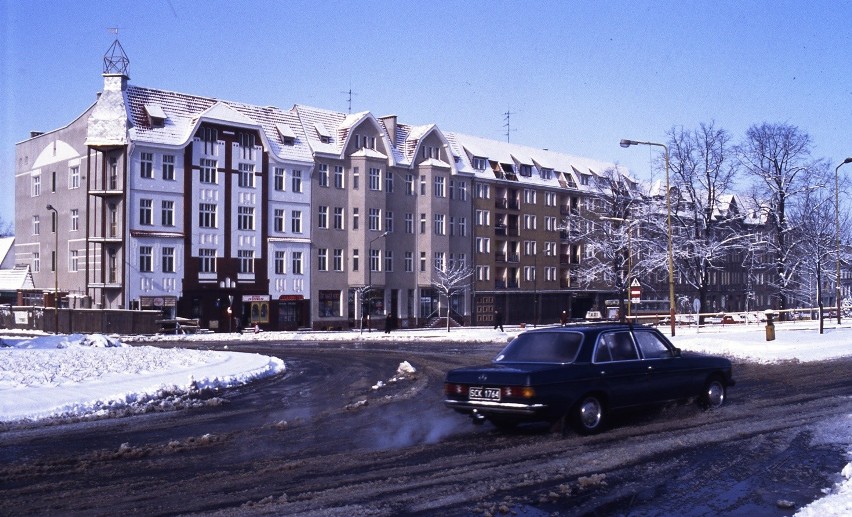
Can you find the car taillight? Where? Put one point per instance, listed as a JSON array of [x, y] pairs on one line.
[[455, 389], [519, 392]]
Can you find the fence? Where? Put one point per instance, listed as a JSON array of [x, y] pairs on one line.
[[79, 321]]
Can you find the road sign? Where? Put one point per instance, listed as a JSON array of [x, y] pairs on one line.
[[635, 291]]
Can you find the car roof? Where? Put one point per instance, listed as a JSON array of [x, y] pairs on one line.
[[591, 327]]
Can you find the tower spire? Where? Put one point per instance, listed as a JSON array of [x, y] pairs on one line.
[[115, 59]]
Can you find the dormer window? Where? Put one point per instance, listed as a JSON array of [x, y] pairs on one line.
[[479, 163], [430, 152], [156, 115], [288, 137], [546, 173], [365, 142], [322, 132], [526, 170]]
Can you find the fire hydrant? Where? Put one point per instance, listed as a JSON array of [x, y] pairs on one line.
[[770, 326]]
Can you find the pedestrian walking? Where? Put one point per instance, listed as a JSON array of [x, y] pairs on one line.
[[564, 318], [498, 320]]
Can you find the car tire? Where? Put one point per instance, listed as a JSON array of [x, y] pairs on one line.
[[713, 395], [589, 415]]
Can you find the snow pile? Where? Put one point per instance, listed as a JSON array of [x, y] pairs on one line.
[[64, 376]]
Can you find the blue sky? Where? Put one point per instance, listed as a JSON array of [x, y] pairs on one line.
[[576, 76]]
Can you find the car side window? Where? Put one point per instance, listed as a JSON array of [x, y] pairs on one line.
[[651, 346], [615, 346]]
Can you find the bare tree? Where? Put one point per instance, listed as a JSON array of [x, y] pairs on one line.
[[451, 280], [6, 228], [702, 166], [778, 158]]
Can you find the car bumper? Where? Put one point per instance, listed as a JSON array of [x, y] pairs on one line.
[[505, 408]]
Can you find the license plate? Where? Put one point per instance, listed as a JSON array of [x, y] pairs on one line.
[[479, 393]]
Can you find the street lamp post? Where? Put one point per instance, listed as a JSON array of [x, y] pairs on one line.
[[627, 143], [370, 279], [55, 224], [837, 230]]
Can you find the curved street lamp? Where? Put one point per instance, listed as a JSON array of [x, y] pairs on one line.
[[55, 268], [627, 143], [837, 230]]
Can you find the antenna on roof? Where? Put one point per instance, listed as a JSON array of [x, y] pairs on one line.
[[508, 125], [349, 100]]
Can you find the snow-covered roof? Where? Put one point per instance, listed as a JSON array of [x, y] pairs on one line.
[[182, 113], [14, 279], [7, 258]]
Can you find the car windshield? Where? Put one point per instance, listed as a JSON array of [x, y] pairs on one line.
[[542, 347]]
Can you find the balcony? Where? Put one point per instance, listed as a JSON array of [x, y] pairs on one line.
[[565, 260], [499, 257], [514, 258], [502, 284]]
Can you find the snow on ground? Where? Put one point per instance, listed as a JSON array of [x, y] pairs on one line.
[[78, 376]]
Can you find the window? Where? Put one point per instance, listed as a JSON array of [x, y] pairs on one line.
[[479, 163], [296, 181], [209, 136], [354, 218], [422, 185], [529, 248], [526, 170], [54, 219], [550, 198], [246, 178], [483, 218], [322, 217], [296, 221], [651, 346], [246, 258], [461, 187], [207, 215], [322, 175], [247, 146], [53, 181], [529, 273], [75, 219], [355, 178], [615, 346], [74, 177], [36, 262], [36, 225], [208, 260], [338, 176], [374, 179], [388, 181], [168, 260], [245, 218], [439, 186], [329, 303], [483, 245], [322, 259], [280, 262], [338, 218], [482, 191], [439, 260], [529, 196], [388, 221], [296, 262], [422, 223], [146, 211], [409, 262], [375, 258], [146, 165], [208, 171], [462, 226], [409, 223], [337, 259], [388, 261], [169, 167], [355, 259], [550, 223], [35, 185], [529, 222], [440, 228], [167, 213], [409, 184], [483, 273], [546, 173], [146, 259], [279, 179], [373, 219], [278, 216], [73, 261], [422, 261]]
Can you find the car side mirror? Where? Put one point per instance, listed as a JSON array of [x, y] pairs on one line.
[[676, 352]]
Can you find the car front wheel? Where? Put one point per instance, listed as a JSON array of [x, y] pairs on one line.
[[713, 395], [589, 415]]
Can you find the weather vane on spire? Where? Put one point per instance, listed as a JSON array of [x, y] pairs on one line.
[[115, 60]]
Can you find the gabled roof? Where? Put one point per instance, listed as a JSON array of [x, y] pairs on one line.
[[7, 257], [184, 112], [14, 279]]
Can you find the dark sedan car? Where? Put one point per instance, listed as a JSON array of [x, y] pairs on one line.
[[582, 373]]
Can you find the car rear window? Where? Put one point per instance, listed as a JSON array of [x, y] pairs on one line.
[[542, 347]]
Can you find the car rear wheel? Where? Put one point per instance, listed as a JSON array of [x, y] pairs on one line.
[[714, 394], [589, 415]]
